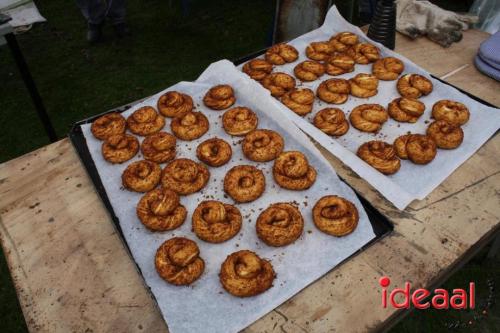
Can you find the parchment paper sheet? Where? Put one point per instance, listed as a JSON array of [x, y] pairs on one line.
[[205, 306]]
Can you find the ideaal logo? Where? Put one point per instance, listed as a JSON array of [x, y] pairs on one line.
[[441, 299]]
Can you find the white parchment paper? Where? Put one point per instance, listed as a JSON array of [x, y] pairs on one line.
[[205, 306], [411, 181]]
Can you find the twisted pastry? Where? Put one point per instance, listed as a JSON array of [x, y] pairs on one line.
[[216, 222], [184, 176], [319, 51], [380, 155], [280, 224], [388, 69], [278, 83], [244, 183], [120, 148], [262, 145], [110, 124], [339, 63], [174, 104], [406, 109], [280, 54], [214, 152], [141, 176], [292, 171], [159, 147], [414, 86], [244, 274], [364, 85], [343, 40], [453, 112], [299, 100], [368, 117], [446, 135], [160, 210], [420, 149], [145, 121], [331, 121], [364, 53], [190, 126], [219, 97], [309, 70], [335, 91], [257, 69], [239, 121], [178, 261], [335, 215]]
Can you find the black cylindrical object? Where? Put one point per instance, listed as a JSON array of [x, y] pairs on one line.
[[383, 26]]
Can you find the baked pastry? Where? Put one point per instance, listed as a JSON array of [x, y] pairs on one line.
[[239, 121], [299, 100], [292, 171], [244, 183], [174, 104], [414, 86], [262, 145], [319, 51], [335, 215], [141, 176], [159, 147], [110, 124], [219, 97], [178, 261], [120, 148], [446, 135], [280, 224], [406, 109], [278, 83], [309, 70], [343, 40], [339, 63], [280, 54], [380, 155], [364, 53], [257, 69], [453, 112], [145, 121], [184, 176], [335, 91], [364, 85], [214, 152], [368, 117], [161, 210], [244, 274], [418, 148], [190, 126], [388, 69], [216, 222], [332, 121]]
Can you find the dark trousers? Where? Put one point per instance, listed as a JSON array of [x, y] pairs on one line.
[[95, 11]]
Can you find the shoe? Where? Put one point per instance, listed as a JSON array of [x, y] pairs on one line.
[[121, 30], [94, 33]]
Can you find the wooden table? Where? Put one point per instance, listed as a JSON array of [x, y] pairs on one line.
[[72, 272]]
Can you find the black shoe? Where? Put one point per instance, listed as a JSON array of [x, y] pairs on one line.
[[94, 33], [121, 30]]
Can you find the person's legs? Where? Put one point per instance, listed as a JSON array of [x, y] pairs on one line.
[[116, 15], [94, 12]]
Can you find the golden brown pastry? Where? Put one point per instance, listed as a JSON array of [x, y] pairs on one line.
[[309, 70], [319, 51], [244, 274], [278, 83], [110, 124], [364, 85], [343, 40], [292, 171], [414, 86], [257, 69], [418, 148], [216, 222], [262, 145], [368, 117], [335, 91], [244, 183], [141, 176], [184, 176], [299, 100], [364, 53], [159, 147], [332, 121], [380, 155], [446, 135], [388, 69], [280, 224], [214, 152], [335, 215], [145, 121], [339, 63], [406, 109], [219, 97], [178, 261], [174, 104], [120, 148], [190, 126], [280, 54], [453, 112], [161, 210], [239, 121]]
